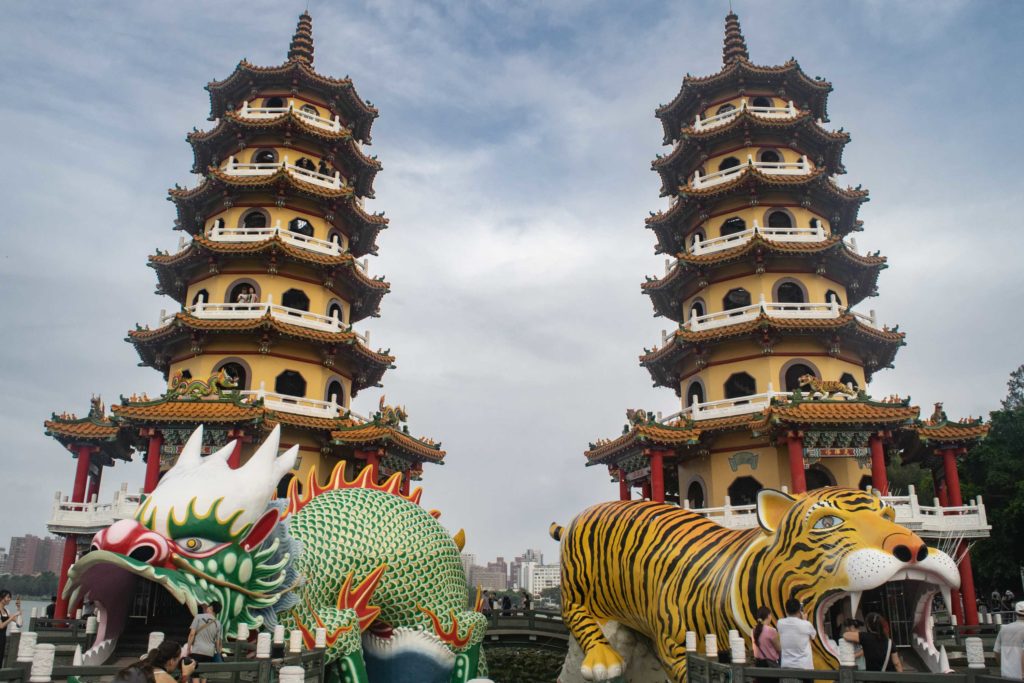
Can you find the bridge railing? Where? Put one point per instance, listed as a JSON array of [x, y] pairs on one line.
[[530, 620], [701, 669]]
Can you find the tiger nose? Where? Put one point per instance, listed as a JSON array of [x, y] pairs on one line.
[[907, 548]]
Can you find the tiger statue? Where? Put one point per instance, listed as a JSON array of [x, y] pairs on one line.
[[827, 388], [662, 571]]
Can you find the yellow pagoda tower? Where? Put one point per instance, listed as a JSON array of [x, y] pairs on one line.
[[772, 353], [270, 289]]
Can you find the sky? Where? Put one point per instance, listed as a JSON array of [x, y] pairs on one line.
[[516, 139]]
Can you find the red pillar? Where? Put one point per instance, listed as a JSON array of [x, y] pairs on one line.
[[967, 587], [958, 610], [406, 479], [94, 486], [624, 493], [68, 559], [952, 477], [943, 495], [156, 443], [657, 460], [879, 479], [645, 489], [795, 442], [235, 459], [82, 473]]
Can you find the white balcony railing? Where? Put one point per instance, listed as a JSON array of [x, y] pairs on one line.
[[787, 112], [297, 405], [220, 233], [89, 517], [740, 405], [928, 521], [802, 167], [235, 168], [774, 309], [699, 246], [258, 309], [256, 113]]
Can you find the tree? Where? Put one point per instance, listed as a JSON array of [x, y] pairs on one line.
[[553, 594], [995, 470]]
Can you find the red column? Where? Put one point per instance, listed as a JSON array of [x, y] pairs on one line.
[[68, 559], [82, 474], [795, 442], [645, 489], [235, 459], [624, 492], [943, 495], [952, 477], [879, 479], [406, 479], [94, 485], [958, 610], [967, 587], [657, 461], [156, 442]]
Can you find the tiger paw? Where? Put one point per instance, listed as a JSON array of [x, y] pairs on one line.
[[602, 663]]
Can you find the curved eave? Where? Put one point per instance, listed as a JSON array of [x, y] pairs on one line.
[[103, 434], [952, 434], [639, 437], [824, 147], [362, 434], [746, 76], [293, 73], [823, 191], [210, 147], [864, 412], [282, 178], [859, 274], [175, 270], [148, 342], [664, 363]]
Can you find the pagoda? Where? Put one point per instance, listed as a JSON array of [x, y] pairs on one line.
[[770, 354], [269, 283]]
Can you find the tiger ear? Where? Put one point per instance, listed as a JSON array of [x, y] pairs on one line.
[[772, 506]]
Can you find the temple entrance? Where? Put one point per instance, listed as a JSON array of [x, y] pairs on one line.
[[152, 608]]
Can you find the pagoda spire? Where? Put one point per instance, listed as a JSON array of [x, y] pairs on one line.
[[735, 46], [301, 47]]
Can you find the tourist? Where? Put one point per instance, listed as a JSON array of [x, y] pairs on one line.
[[765, 641], [878, 647], [795, 636], [854, 626], [135, 673], [527, 601], [6, 617], [1008, 599], [506, 606], [1009, 646], [165, 659], [486, 607], [492, 601], [995, 600], [51, 609], [204, 638]]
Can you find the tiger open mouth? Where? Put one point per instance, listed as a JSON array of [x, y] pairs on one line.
[[936, 575]]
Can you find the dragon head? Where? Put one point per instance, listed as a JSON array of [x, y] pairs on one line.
[[206, 533]]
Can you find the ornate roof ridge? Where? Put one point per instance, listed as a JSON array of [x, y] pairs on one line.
[[301, 47], [734, 46]]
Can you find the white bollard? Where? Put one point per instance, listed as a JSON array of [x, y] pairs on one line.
[[279, 635], [242, 632], [91, 625], [711, 645], [691, 641], [739, 650], [263, 646], [975, 653], [35, 613], [847, 655], [952, 619], [291, 674], [27, 646], [42, 663], [78, 613], [295, 641], [321, 638], [999, 619], [155, 638]]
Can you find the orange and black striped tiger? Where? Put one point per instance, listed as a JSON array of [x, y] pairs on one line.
[[663, 571]]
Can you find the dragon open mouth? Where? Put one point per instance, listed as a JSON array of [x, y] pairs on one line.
[[919, 588], [108, 580]]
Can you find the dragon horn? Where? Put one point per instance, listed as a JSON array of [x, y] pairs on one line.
[[286, 462], [224, 452], [192, 453], [263, 459]]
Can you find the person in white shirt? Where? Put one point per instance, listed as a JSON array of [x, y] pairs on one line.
[[1009, 646], [795, 636]]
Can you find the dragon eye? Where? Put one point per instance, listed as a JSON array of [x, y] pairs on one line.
[[828, 522], [195, 545]]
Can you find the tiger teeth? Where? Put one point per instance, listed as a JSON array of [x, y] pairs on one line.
[[855, 602], [947, 598]]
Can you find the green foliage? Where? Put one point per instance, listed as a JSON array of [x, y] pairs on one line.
[[995, 470], [901, 476], [523, 665], [553, 594], [37, 586]]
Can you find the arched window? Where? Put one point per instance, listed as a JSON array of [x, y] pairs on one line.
[[310, 109], [743, 491], [779, 219], [285, 484], [186, 374], [818, 477], [290, 383], [815, 224], [694, 237], [254, 219], [301, 226], [740, 384], [761, 102], [295, 298], [335, 236], [264, 156], [336, 310], [849, 380], [243, 292], [237, 374], [336, 392], [201, 294], [725, 108], [695, 494], [273, 103], [831, 295], [733, 226], [790, 293], [728, 162], [771, 156], [694, 393], [794, 373], [697, 309], [735, 298], [865, 482], [306, 164]]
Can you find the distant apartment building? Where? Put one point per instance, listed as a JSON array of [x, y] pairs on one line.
[[537, 577], [468, 562], [33, 555], [516, 566], [488, 579]]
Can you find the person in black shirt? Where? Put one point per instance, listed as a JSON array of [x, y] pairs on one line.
[[51, 608], [878, 648]]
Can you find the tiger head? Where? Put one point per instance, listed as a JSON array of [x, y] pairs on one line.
[[832, 548]]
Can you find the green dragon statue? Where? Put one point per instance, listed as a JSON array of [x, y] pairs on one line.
[[356, 558]]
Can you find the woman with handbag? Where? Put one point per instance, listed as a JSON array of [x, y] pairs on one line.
[[878, 647], [204, 639], [765, 640]]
